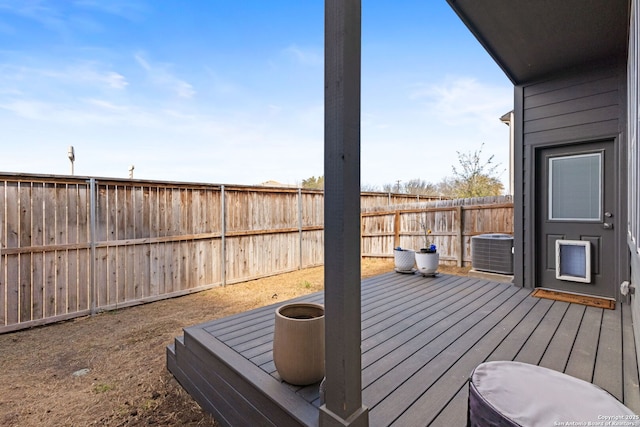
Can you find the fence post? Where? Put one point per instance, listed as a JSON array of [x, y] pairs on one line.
[[300, 227], [459, 210], [92, 246], [396, 229], [223, 230]]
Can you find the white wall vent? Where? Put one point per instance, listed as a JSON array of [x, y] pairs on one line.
[[492, 253]]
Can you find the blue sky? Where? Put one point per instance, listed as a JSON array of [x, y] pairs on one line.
[[231, 91]]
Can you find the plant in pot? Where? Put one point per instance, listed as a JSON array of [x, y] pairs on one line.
[[404, 260], [427, 259]]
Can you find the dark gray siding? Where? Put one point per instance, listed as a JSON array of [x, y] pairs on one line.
[[574, 108], [581, 106]]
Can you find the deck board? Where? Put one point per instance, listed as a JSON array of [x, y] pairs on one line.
[[557, 352], [509, 348], [630, 374], [391, 392], [582, 360], [411, 334], [421, 339], [454, 377], [608, 371], [455, 412], [536, 345], [444, 374]]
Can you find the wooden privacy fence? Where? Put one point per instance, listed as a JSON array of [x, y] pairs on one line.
[[71, 246], [452, 223]]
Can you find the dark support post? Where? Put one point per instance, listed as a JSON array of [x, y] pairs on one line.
[[343, 396]]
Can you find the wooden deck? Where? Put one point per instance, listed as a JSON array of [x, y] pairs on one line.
[[421, 338]]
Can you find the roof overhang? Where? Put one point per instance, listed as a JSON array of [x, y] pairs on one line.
[[533, 39]]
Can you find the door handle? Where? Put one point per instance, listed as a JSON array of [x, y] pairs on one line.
[[607, 226]]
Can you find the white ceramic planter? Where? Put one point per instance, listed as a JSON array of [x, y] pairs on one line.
[[298, 343], [404, 259], [427, 262]]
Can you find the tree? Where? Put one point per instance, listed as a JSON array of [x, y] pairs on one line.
[[475, 177], [413, 186], [369, 188], [421, 187], [313, 183], [391, 188], [446, 187]]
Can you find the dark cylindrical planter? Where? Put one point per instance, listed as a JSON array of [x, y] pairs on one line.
[[298, 343]]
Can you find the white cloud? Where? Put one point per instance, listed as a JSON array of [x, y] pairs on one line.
[[184, 89], [129, 9], [415, 130], [41, 81], [305, 56], [107, 105], [219, 84], [25, 109], [40, 11], [142, 61], [464, 100], [66, 115], [162, 77], [115, 80]]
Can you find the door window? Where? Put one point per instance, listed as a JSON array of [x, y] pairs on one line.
[[575, 187]]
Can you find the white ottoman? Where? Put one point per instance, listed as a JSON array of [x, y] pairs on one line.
[[518, 394]]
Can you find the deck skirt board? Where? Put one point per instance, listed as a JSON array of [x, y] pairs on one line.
[[421, 338]]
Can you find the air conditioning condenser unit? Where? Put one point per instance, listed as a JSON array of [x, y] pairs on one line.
[[492, 253]]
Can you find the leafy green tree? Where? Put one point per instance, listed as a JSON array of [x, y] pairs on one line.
[[313, 183], [475, 177]]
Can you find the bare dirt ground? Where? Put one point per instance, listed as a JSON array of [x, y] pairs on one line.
[[110, 370]]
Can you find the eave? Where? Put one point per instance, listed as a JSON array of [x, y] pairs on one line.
[[531, 40]]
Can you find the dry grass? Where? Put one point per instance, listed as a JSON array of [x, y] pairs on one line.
[[127, 383]]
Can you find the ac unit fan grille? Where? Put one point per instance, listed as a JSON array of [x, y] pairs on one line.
[[492, 253]]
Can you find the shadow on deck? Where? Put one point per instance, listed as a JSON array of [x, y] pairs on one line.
[[421, 338]]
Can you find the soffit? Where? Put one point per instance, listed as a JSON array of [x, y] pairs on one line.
[[531, 39]]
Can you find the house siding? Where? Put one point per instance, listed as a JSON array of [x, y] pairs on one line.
[[575, 110], [578, 107]]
